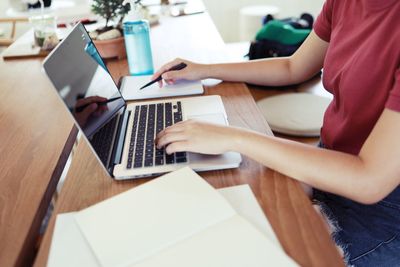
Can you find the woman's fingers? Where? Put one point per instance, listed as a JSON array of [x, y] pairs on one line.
[[170, 81], [173, 75], [166, 67], [194, 136], [192, 71], [165, 136], [170, 137], [179, 126], [179, 146]]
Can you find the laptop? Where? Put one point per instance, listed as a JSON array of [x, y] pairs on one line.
[[122, 134]]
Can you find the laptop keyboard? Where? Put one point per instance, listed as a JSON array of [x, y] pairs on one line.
[[148, 121], [102, 140]]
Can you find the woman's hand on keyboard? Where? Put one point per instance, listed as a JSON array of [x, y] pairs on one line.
[[192, 71], [197, 136]]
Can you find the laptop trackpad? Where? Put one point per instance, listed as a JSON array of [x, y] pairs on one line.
[[216, 118], [201, 162]]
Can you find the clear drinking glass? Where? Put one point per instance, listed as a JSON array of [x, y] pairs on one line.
[[44, 27]]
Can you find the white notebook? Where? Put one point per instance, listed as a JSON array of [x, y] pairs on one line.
[[130, 88], [175, 220]]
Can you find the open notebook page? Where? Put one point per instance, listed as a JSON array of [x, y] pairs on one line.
[[130, 88], [170, 220], [144, 220], [69, 248], [231, 243], [245, 204]]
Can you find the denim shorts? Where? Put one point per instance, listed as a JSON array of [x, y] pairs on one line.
[[368, 234]]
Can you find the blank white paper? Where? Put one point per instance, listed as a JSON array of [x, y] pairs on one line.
[[149, 218], [70, 248], [130, 88]]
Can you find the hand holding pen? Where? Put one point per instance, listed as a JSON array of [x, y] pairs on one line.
[[158, 78], [192, 71]]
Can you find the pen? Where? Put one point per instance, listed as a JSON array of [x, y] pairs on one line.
[[81, 108], [176, 67]]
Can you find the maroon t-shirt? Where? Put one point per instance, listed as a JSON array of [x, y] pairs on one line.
[[361, 68]]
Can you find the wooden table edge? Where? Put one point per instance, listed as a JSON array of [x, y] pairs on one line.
[[27, 254]]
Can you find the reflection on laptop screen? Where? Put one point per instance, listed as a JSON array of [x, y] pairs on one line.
[[83, 82]]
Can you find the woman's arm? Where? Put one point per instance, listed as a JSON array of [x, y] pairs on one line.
[[305, 63], [366, 178]]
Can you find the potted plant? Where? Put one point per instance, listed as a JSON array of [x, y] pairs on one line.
[[109, 39]]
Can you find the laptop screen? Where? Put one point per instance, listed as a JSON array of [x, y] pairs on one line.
[[83, 82]]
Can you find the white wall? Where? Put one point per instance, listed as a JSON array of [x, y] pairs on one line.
[[225, 13], [3, 7], [6, 27], [23, 27]]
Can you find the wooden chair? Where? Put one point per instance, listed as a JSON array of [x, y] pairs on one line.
[[6, 41]]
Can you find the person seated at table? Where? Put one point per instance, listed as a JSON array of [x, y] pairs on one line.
[[355, 171]]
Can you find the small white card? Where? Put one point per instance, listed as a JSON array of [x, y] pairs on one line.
[[130, 88]]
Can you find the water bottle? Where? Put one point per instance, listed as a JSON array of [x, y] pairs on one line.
[[138, 49]]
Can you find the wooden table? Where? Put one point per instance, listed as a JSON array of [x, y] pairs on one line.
[[34, 128], [299, 229]]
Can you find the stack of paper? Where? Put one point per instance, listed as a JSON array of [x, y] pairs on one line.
[[175, 220]]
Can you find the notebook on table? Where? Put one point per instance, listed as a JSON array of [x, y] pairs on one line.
[[175, 220], [130, 88]]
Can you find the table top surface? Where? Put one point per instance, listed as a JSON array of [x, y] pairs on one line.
[[33, 130], [35, 137]]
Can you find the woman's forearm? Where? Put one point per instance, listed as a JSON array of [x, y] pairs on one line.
[[269, 72], [367, 178], [302, 65], [331, 171]]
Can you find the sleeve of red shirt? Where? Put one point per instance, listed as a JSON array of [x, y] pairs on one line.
[[393, 101], [323, 24]]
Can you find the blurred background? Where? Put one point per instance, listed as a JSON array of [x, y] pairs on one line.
[[227, 15]]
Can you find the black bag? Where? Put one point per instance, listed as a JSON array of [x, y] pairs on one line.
[[269, 48], [265, 48]]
